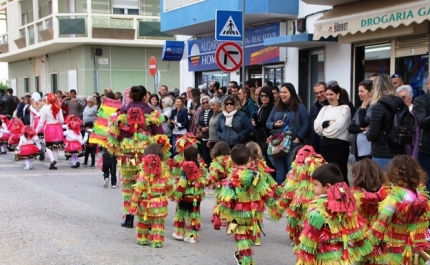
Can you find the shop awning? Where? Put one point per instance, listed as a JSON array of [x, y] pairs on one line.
[[297, 40], [370, 15]]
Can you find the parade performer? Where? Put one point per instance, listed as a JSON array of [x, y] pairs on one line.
[[404, 214], [181, 144], [51, 120], [130, 132], [15, 127], [4, 134], [74, 139], [369, 189], [99, 132], [333, 233], [218, 172], [150, 197], [36, 105], [190, 191], [29, 146], [257, 164], [240, 199], [298, 191]]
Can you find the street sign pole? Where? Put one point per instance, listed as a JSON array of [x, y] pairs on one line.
[[243, 43]]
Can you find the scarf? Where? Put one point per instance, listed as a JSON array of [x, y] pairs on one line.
[[229, 117]]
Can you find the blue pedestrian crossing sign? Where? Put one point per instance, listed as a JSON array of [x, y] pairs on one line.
[[228, 25]]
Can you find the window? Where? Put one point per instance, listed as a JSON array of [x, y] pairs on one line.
[[54, 83], [125, 11], [36, 84], [27, 85]]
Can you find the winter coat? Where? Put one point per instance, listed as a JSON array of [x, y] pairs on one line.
[[240, 130], [422, 116], [381, 120]]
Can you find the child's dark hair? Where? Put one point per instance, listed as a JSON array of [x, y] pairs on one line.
[[220, 149], [153, 149], [240, 155], [296, 151], [368, 175], [89, 125], [1, 123], [26, 135], [404, 171], [328, 174], [191, 154], [254, 150]]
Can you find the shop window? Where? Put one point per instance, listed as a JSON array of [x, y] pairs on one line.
[[274, 75], [317, 59]]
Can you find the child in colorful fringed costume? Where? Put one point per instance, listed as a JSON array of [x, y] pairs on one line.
[[218, 172], [190, 191], [29, 146], [298, 190], [4, 134], [241, 199], [130, 132], [150, 197], [36, 105], [369, 189], [334, 233], [15, 127], [404, 214], [182, 143], [258, 164], [74, 140]]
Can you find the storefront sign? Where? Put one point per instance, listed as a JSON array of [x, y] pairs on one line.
[[201, 52], [173, 50], [343, 19]]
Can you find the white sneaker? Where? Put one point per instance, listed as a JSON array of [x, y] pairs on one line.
[[190, 239], [106, 183], [178, 237]]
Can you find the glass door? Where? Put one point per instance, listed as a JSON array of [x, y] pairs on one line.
[[274, 74], [317, 59], [414, 70]]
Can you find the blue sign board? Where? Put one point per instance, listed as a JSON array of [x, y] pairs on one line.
[[173, 50], [201, 52], [228, 25]]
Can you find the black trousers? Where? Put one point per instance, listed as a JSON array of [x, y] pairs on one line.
[[337, 153], [109, 167], [90, 150], [205, 152]]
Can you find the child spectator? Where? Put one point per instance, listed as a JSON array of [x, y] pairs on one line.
[[109, 167], [4, 134], [404, 214], [190, 191], [218, 171], [244, 194], [29, 146], [74, 140], [90, 149], [149, 200], [333, 230]]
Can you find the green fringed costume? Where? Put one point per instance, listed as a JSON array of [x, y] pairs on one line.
[[150, 199], [298, 191], [245, 194], [190, 191], [333, 233], [402, 225]]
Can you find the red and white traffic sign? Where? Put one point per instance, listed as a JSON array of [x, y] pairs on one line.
[[152, 66], [228, 56]]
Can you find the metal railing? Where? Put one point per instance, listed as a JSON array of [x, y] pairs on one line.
[[175, 4]]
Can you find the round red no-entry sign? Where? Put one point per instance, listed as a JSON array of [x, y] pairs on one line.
[[228, 56], [152, 66]]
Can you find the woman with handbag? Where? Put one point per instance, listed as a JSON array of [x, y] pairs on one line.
[[332, 125], [259, 119], [178, 122], [202, 132], [289, 117], [233, 125]]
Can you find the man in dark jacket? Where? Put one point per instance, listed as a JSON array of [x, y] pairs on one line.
[[8, 103], [320, 101], [422, 114]]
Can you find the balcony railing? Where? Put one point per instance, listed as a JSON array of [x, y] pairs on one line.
[[170, 5]]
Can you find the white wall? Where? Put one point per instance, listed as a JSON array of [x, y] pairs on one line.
[[291, 72], [338, 64], [305, 9], [186, 78]]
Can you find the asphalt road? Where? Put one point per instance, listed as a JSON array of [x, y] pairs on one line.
[[67, 217]]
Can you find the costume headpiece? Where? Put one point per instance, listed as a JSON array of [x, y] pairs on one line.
[[74, 123], [191, 170], [152, 164], [340, 198], [52, 99], [185, 141], [15, 126], [29, 131], [35, 96]]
